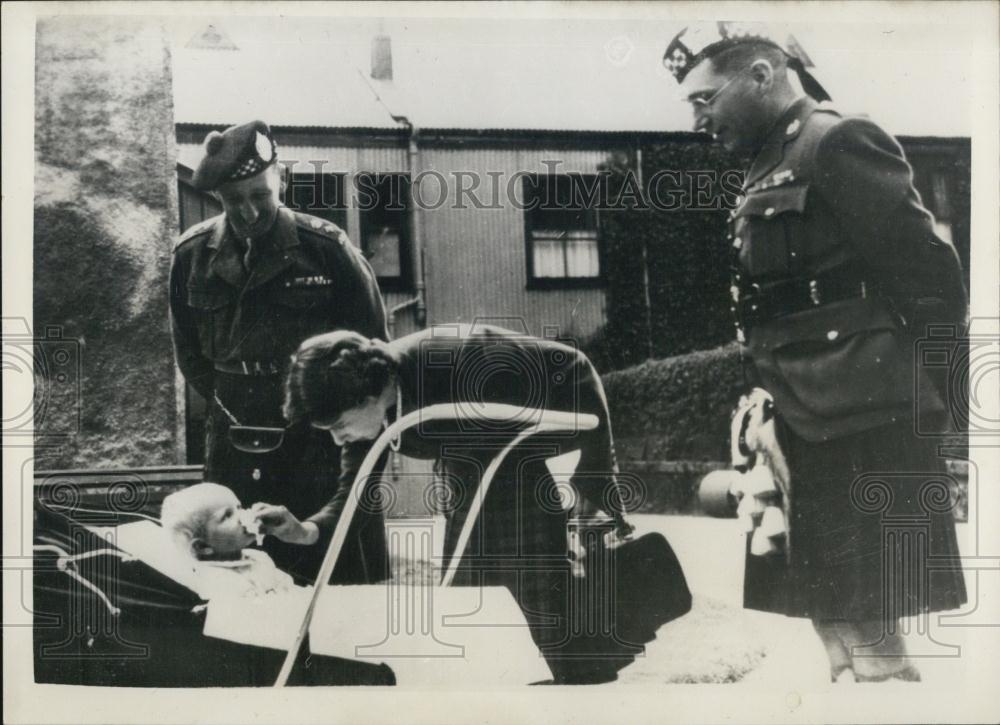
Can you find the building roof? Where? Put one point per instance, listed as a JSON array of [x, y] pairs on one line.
[[565, 75]]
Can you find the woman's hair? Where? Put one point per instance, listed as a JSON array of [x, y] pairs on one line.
[[333, 373]]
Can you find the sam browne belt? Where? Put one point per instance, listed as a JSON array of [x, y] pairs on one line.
[[760, 304]]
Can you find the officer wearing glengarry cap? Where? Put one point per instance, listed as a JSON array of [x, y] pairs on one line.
[[836, 269], [246, 288]]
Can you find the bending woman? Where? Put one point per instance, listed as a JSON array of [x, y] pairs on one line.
[[350, 385]]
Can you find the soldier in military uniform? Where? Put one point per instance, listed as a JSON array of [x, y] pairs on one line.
[[836, 272], [246, 287]]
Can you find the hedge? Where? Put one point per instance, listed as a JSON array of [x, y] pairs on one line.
[[677, 408], [687, 257], [671, 422]]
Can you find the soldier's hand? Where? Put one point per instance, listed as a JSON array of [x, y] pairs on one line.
[[278, 521]]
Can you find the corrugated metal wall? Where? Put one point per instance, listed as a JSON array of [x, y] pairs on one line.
[[476, 259], [475, 264]]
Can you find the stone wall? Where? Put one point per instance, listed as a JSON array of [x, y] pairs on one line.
[[105, 219]]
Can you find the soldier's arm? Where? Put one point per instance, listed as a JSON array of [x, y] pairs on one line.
[[865, 178], [196, 368], [365, 312]]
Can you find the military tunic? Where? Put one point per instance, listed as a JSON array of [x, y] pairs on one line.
[[236, 320], [836, 271]]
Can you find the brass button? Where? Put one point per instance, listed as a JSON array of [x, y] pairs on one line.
[[738, 243], [832, 335], [256, 474], [769, 211]]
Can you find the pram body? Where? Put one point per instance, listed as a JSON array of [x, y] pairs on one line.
[[155, 639], [108, 620]]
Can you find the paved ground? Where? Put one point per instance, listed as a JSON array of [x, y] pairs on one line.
[[719, 641]]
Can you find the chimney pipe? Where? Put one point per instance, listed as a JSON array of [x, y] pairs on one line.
[[382, 58]]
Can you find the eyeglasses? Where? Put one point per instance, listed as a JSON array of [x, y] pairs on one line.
[[701, 104]]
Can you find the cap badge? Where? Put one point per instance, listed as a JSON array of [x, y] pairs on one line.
[[263, 147]]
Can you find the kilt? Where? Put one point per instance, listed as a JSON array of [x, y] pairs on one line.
[[871, 529], [520, 542]]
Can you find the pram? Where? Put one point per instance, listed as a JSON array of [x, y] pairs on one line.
[[102, 619]]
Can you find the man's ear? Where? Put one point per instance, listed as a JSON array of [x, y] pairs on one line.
[[762, 73], [200, 548]]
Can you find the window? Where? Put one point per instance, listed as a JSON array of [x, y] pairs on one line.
[[934, 178], [383, 204], [561, 231], [940, 203], [321, 195], [194, 206]]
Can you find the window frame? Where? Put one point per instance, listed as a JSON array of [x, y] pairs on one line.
[[388, 283], [555, 283], [344, 180]]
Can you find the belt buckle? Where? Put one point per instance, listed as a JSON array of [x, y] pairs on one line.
[[814, 294]]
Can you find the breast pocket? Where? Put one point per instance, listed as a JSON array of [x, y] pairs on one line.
[[769, 224], [303, 312], [211, 310]]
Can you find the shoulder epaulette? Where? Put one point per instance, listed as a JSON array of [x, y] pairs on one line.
[[199, 229], [320, 226]]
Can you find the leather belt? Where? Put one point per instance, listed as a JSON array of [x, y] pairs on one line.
[[248, 367], [784, 298]]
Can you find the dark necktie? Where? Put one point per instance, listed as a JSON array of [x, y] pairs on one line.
[[250, 255]]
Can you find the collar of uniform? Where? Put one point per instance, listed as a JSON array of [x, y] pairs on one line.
[[786, 128], [282, 234], [227, 257], [274, 258], [227, 261], [285, 233], [218, 232]]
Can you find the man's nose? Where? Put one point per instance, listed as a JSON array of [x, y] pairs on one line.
[[248, 212]]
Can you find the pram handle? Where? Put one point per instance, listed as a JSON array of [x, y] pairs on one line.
[[539, 421]]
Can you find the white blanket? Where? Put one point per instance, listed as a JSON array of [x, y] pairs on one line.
[[430, 636]]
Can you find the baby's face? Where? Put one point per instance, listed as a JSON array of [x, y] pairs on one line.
[[224, 530]]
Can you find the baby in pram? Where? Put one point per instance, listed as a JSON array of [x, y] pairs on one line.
[[209, 526]]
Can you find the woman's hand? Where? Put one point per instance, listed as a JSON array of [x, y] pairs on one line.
[[280, 522]]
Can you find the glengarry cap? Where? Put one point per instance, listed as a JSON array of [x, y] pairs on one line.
[[700, 41]]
